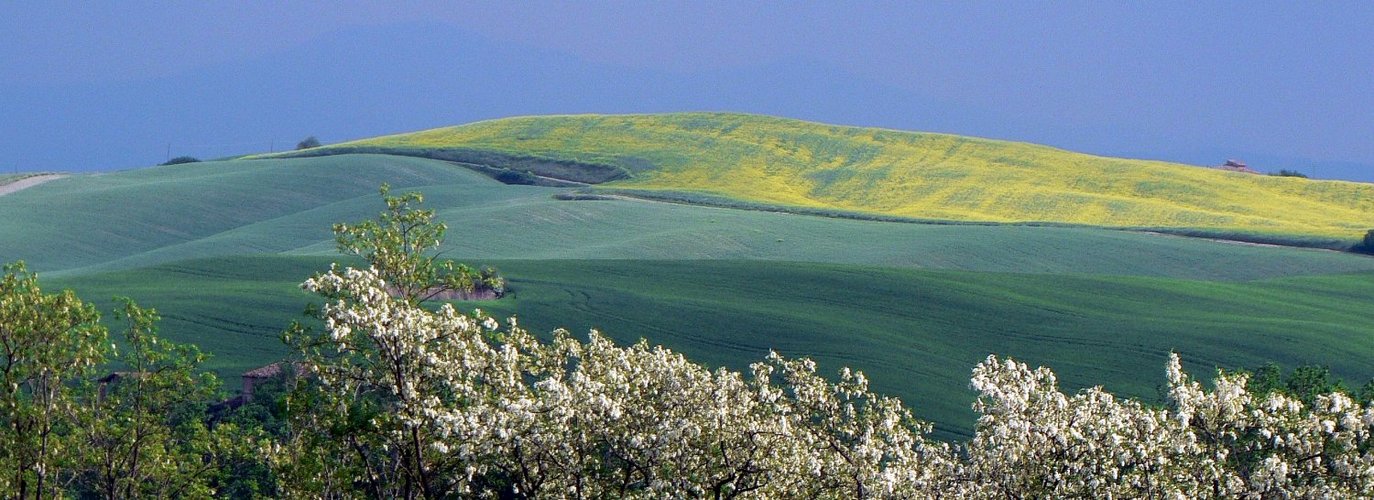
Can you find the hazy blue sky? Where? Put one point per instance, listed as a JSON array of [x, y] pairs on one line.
[[116, 85]]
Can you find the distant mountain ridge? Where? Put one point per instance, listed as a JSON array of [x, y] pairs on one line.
[[778, 163]]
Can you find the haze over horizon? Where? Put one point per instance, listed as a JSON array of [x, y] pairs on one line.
[[102, 87]]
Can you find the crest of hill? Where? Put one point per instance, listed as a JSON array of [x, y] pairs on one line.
[[776, 163]]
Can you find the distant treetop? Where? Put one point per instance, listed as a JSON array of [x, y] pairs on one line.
[[181, 159], [307, 143]]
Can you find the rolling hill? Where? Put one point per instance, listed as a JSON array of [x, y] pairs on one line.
[[749, 160], [220, 247], [144, 217]]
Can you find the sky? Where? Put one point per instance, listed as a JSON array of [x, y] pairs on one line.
[[105, 85]]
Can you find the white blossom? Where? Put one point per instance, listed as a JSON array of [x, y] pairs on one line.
[[495, 408]]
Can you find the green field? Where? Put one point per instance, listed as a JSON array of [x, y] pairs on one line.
[[790, 163], [163, 214], [220, 248], [917, 333]]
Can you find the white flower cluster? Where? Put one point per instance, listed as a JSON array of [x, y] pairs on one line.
[[460, 405], [1033, 440]]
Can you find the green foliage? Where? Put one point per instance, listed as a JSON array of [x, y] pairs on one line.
[[400, 245], [1309, 381], [267, 416], [1266, 379], [1290, 173], [137, 433], [507, 176], [1305, 383], [1365, 395], [145, 432], [180, 160], [1367, 244], [47, 342], [307, 143]]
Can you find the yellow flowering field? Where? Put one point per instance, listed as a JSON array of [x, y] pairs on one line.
[[776, 161]]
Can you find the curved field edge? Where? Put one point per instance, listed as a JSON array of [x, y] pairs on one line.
[[916, 333], [781, 162]]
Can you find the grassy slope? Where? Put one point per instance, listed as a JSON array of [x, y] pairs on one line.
[[916, 332], [922, 175], [865, 304], [145, 217], [90, 219]]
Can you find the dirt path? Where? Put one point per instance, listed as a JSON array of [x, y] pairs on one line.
[[28, 182]]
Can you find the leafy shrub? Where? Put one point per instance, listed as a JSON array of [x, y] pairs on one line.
[[181, 159], [1289, 173], [515, 177], [307, 143], [1366, 245]]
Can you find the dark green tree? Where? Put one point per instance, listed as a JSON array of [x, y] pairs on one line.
[[1309, 381], [308, 142], [1266, 379], [181, 159]]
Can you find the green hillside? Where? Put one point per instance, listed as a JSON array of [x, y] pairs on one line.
[[90, 219], [916, 333], [768, 161], [144, 217], [220, 247]]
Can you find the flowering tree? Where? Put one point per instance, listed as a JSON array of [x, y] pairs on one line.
[[1033, 440], [460, 405], [417, 402], [412, 402], [367, 422]]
